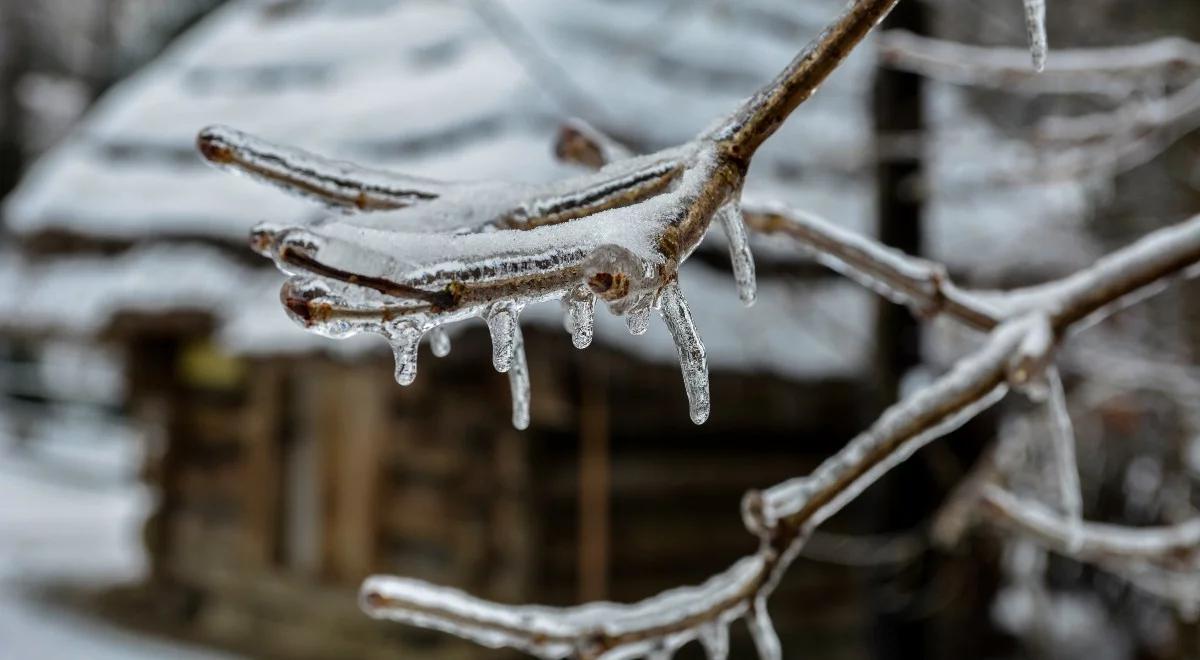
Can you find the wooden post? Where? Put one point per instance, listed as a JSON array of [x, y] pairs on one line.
[[261, 476], [352, 432], [899, 121]]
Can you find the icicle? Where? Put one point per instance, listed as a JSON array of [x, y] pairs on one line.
[[1035, 24], [518, 381], [762, 631], [637, 319], [439, 342], [581, 316], [692, 361], [1066, 467], [660, 653], [404, 338], [742, 260], [714, 637], [502, 323]]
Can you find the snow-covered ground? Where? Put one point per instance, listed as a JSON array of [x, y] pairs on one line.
[[70, 516]]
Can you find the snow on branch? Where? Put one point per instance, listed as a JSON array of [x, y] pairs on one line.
[[429, 253]]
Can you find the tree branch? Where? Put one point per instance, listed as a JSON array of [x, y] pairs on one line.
[[1173, 546], [741, 135], [922, 285], [1113, 71], [783, 516]]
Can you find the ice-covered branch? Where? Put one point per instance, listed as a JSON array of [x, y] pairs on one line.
[[650, 628], [1174, 545], [1113, 71], [782, 516], [434, 253], [336, 184], [920, 284], [580, 143], [1114, 281], [785, 515], [748, 127], [1173, 114]]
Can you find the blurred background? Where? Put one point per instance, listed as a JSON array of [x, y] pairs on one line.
[[185, 473]]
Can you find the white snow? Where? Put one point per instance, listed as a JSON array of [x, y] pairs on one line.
[[58, 531]]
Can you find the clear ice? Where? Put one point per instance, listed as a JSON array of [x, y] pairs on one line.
[[1035, 25], [692, 360], [439, 342], [740, 256]]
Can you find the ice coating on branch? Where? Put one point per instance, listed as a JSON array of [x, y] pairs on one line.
[[692, 360], [581, 316], [1063, 442], [1035, 25], [334, 183], [715, 640], [854, 251], [1027, 370], [765, 510], [762, 631], [684, 615], [518, 381], [350, 277], [397, 201], [1094, 540], [404, 338], [502, 324], [439, 342], [740, 256], [393, 262]]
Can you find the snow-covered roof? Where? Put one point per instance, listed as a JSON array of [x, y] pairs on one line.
[[453, 90]]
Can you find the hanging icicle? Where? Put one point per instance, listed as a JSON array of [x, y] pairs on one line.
[[581, 316], [502, 324], [1035, 24], [439, 342], [740, 256], [518, 381], [692, 360], [404, 338]]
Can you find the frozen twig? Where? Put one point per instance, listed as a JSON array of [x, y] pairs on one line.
[[337, 184], [1112, 72], [920, 284], [578, 142], [1172, 546]]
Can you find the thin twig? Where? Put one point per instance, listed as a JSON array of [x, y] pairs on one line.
[[1173, 545]]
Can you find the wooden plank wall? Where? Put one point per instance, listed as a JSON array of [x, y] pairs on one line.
[[319, 472]]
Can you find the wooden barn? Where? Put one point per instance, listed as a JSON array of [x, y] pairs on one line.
[[287, 467]]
